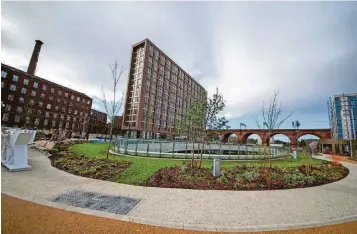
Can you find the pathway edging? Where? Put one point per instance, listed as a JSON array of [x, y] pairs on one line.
[[177, 225]]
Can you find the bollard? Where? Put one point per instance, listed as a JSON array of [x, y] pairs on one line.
[[216, 167], [294, 154]]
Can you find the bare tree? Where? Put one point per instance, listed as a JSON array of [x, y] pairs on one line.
[[272, 116], [203, 119], [113, 107]]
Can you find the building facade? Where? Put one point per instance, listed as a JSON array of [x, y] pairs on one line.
[[158, 91], [98, 122], [343, 116], [33, 102], [117, 127]]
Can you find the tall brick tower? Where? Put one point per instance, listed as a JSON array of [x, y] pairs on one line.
[[34, 58]]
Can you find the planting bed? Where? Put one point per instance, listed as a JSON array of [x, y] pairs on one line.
[[96, 168], [245, 177]]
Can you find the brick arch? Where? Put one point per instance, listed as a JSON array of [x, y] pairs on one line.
[[245, 136], [225, 136], [268, 137], [321, 136]]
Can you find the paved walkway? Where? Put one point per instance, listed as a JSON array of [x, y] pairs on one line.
[[20, 216], [196, 209]]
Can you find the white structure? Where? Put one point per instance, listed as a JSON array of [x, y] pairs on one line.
[[14, 149]]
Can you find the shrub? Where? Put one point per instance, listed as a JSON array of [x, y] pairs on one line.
[[250, 175]]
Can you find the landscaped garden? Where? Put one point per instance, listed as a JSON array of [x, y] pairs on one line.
[[89, 160]]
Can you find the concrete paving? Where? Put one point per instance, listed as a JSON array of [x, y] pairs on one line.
[[196, 209]]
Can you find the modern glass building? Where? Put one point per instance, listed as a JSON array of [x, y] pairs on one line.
[[343, 116]]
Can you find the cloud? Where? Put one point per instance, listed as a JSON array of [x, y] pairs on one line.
[[247, 49]]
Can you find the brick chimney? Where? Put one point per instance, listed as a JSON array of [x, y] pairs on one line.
[[34, 58]]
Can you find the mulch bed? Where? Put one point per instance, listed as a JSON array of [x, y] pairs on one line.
[[244, 177], [103, 169]]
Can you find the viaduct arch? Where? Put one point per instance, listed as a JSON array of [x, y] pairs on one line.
[[265, 135]]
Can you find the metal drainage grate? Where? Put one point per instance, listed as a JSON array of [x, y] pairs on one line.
[[97, 201]]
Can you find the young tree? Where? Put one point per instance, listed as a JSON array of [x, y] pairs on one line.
[[113, 107], [272, 116], [203, 119]]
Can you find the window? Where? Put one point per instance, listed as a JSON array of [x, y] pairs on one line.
[[17, 118], [53, 123], [66, 95], [8, 107], [23, 90], [88, 102], [37, 121], [49, 106], [31, 102], [21, 100], [42, 96], [70, 110], [40, 104], [45, 122], [5, 117], [75, 112], [2, 84], [59, 92], [52, 90], [63, 109], [56, 108], [15, 78], [10, 97], [19, 109], [33, 93], [3, 74], [44, 87], [26, 81], [55, 115], [72, 97], [58, 100], [13, 87], [35, 85], [50, 98], [47, 114], [78, 99]]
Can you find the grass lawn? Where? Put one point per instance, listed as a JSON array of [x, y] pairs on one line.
[[144, 168]]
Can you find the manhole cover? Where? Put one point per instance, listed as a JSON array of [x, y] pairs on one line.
[[97, 201]]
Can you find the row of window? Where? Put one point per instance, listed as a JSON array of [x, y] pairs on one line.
[[35, 86]]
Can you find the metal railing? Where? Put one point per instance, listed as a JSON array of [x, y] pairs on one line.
[[184, 150]]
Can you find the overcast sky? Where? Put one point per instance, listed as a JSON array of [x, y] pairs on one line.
[[306, 50]]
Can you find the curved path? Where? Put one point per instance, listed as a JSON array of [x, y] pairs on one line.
[[196, 209]]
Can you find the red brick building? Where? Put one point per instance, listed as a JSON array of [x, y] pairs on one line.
[[118, 122], [33, 102], [98, 122], [158, 91]]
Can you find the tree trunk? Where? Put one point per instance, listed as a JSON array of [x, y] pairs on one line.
[[202, 148], [110, 139], [193, 153]]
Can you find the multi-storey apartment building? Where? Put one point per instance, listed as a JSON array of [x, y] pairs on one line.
[[158, 91], [31, 101], [98, 122], [343, 116]]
